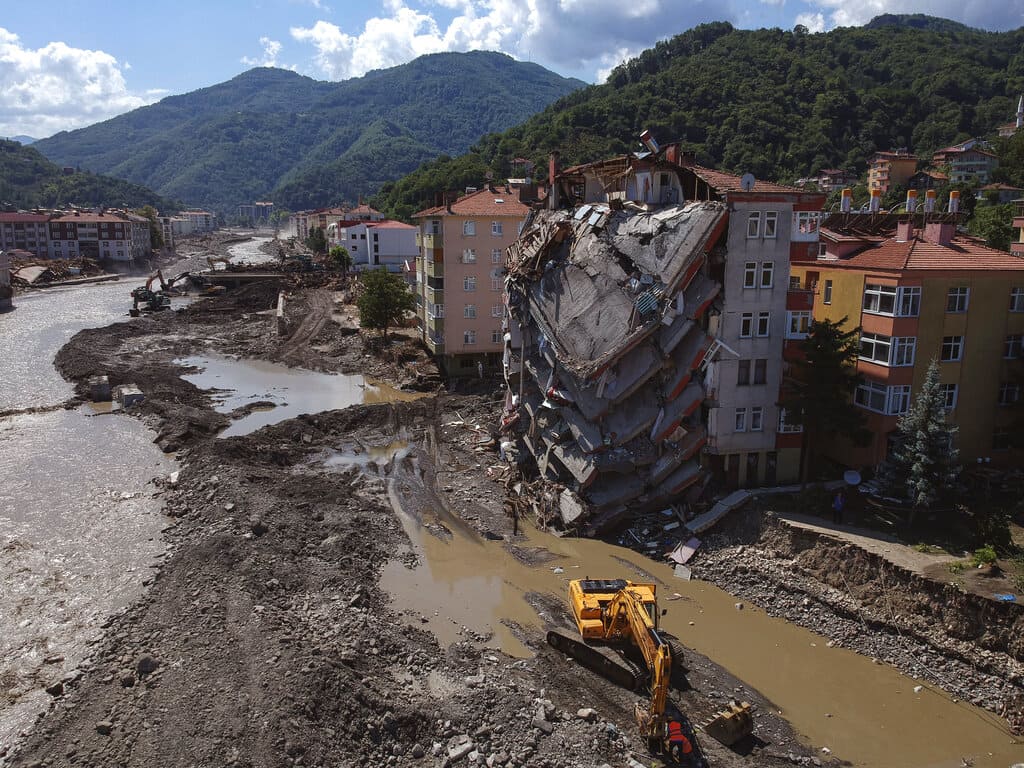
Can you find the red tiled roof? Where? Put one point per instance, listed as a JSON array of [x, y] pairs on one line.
[[24, 217], [364, 208], [92, 218], [961, 254], [730, 182], [481, 203], [1004, 187], [389, 225]]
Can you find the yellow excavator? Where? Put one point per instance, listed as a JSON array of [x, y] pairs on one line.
[[612, 613]]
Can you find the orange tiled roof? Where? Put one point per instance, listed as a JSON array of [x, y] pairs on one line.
[[1004, 187], [389, 224], [730, 182], [481, 203], [24, 217], [962, 254]]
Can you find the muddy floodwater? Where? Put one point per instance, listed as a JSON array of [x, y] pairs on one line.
[[863, 712], [79, 526], [275, 392], [248, 252]]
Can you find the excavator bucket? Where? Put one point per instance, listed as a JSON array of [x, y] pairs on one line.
[[731, 725]]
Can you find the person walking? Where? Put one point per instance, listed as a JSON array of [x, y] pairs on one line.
[[837, 507]]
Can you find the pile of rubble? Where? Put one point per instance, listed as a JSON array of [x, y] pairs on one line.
[[607, 333]]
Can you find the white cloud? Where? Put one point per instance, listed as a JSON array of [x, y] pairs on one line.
[[815, 22], [271, 48], [58, 87], [587, 36], [986, 14]]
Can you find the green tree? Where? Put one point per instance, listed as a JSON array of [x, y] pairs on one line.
[[384, 301], [341, 259], [924, 465], [995, 224], [819, 395], [156, 235], [317, 240]]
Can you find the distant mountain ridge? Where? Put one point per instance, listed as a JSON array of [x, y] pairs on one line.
[[28, 180], [775, 103], [23, 139], [272, 133]]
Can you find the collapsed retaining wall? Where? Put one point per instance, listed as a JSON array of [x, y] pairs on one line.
[[968, 645]]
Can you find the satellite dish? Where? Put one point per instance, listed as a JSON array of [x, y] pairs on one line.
[[489, 175], [747, 182], [851, 477]]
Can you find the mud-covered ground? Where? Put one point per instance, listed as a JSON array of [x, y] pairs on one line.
[[968, 645], [264, 639]]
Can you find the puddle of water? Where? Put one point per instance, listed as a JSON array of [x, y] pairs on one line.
[[293, 391], [876, 718], [357, 456]]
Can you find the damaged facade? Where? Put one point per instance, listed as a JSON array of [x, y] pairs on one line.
[[642, 355]]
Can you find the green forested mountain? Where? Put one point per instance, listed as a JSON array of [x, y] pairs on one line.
[[273, 134], [29, 180], [779, 104]]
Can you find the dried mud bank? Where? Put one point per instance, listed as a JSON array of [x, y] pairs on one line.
[[971, 647], [264, 639]]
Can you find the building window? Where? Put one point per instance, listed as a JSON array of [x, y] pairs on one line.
[[767, 274], [750, 274], [741, 420], [1009, 393], [469, 311], [952, 348], [910, 301], [469, 256], [880, 299], [899, 399], [875, 348], [743, 373], [798, 325], [822, 250], [496, 256], [1012, 348], [872, 396], [763, 322], [757, 419], [760, 370], [496, 281], [469, 337], [1001, 440], [949, 392], [469, 283], [468, 228], [956, 300], [495, 337], [827, 295], [435, 311], [746, 325], [754, 224], [497, 311], [1017, 299], [771, 224], [496, 228], [903, 349], [785, 427], [794, 282]]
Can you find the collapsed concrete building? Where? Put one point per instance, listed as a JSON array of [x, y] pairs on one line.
[[620, 338]]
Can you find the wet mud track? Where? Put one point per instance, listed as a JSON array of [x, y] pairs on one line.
[[266, 638]]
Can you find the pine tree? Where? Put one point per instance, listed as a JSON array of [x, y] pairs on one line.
[[924, 465], [819, 394], [384, 301]]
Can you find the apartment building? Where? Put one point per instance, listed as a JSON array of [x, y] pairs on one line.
[[969, 162], [459, 282], [377, 243], [199, 221], [25, 232], [919, 292], [104, 236], [890, 169], [830, 179]]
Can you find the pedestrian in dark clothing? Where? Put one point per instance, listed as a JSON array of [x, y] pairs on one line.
[[837, 507]]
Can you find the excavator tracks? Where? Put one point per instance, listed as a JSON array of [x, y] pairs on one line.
[[602, 660]]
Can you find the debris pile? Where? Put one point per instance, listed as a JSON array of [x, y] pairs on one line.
[[607, 333]]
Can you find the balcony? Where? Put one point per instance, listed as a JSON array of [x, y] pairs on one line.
[[435, 295], [436, 343], [430, 241], [799, 299], [433, 269]]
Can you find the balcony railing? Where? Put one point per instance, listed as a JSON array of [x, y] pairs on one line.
[[798, 299], [432, 241]]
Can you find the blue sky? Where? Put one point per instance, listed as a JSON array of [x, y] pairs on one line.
[[70, 63]]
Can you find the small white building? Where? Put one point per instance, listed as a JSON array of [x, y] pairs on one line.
[[373, 244]]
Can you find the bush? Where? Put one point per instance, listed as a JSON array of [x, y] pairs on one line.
[[984, 556]]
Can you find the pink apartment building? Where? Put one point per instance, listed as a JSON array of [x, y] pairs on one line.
[[459, 281]]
